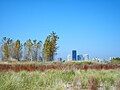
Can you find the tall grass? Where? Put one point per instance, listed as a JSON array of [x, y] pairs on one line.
[[57, 79]]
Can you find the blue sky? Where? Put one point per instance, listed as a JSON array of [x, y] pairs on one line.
[[89, 26]]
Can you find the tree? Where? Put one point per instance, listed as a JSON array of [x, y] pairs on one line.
[[54, 47], [36, 50], [28, 50], [46, 49], [50, 47], [115, 60], [17, 50], [39, 46], [6, 48]]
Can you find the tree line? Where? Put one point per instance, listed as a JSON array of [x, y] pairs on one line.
[[30, 50], [115, 60]]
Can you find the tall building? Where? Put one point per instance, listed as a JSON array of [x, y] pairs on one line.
[[80, 57], [86, 57], [74, 54], [69, 57], [60, 59]]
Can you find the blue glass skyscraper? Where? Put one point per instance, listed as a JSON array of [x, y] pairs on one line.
[[78, 57], [74, 54]]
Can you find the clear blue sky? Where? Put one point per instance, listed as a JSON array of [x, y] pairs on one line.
[[89, 26]]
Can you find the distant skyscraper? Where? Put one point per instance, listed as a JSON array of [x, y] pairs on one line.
[[81, 57], [110, 58], [78, 57], [74, 54], [86, 57], [60, 59], [69, 57]]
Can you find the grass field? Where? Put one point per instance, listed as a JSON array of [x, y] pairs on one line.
[[58, 80], [66, 77]]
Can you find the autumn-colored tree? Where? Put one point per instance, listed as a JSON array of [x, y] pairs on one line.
[[6, 48], [33, 50], [50, 47], [17, 50], [54, 38], [46, 49]]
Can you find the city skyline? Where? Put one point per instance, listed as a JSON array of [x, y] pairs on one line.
[[75, 56], [86, 26]]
